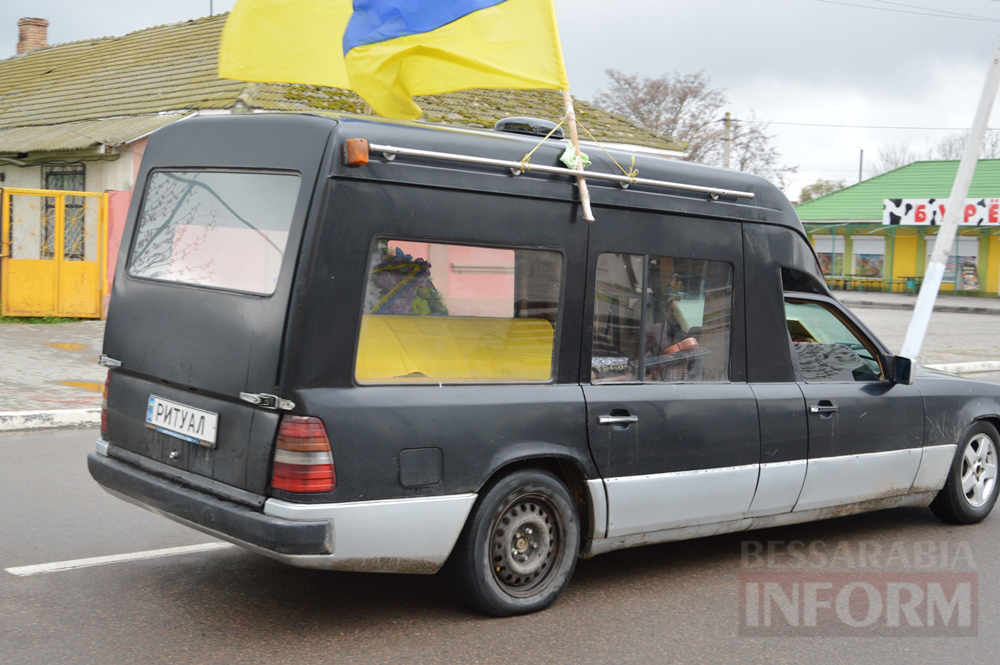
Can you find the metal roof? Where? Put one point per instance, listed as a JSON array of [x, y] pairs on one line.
[[81, 135], [919, 180]]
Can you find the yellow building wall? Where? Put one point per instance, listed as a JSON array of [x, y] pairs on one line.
[[904, 256], [993, 266]]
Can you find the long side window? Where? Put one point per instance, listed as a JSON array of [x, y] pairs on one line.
[[453, 313], [661, 319], [827, 350]]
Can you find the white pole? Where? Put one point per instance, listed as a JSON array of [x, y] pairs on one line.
[[953, 214], [574, 137]]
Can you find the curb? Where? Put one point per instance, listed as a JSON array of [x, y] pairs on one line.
[[968, 368], [963, 309], [15, 421]]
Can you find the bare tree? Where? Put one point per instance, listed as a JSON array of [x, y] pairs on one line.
[[953, 145], [891, 157], [680, 106], [821, 187], [684, 107], [753, 151]]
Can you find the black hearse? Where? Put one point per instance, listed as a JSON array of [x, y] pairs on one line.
[[367, 345]]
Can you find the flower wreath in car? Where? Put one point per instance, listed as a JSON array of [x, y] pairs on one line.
[[400, 284]]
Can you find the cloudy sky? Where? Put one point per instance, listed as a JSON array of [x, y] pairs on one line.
[[864, 63]]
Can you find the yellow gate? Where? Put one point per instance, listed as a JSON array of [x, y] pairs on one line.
[[53, 253]]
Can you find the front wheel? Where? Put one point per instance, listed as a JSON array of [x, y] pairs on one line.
[[519, 549], [970, 492]]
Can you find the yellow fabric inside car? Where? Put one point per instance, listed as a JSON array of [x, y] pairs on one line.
[[453, 348]]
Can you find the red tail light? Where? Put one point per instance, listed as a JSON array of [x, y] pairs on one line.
[[104, 407], [303, 461]]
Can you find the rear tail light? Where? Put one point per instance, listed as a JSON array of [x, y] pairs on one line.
[[303, 461], [104, 407]]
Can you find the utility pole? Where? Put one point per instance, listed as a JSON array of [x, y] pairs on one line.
[[953, 215], [728, 140]]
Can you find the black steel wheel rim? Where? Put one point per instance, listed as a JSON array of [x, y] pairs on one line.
[[525, 545]]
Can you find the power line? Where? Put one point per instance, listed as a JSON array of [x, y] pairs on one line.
[[820, 124], [932, 9], [903, 11]]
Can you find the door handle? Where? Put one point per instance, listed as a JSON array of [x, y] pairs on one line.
[[824, 407], [617, 420]]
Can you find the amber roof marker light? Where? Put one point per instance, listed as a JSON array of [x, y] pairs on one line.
[[356, 152]]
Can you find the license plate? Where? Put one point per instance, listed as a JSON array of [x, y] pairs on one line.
[[182, 421]]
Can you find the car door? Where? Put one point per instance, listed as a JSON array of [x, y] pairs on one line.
[[672, 422], [865, 431]]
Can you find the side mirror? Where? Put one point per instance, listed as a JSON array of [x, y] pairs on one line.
[[900, 369]]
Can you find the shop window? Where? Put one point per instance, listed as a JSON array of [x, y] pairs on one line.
[[869, 265], [69, 177], [826, 349], [456, 313], [832, 264], [830, 251], [869, 257], [961, 269], [661, 319]]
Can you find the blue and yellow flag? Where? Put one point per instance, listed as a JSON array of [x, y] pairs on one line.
[[388, 51]]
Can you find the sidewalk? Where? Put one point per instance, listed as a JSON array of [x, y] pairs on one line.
[[50, 376], [967, 304]]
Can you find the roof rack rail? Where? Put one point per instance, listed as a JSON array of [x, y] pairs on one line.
[[518, 168]]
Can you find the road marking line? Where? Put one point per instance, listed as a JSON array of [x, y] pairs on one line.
[[24, 571]]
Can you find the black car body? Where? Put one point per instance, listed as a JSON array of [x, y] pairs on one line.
[[379, 362]]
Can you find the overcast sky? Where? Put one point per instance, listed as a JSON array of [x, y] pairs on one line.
[[790, 61]]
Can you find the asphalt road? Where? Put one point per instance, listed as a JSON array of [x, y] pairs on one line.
[[951, 336], [677, 603]]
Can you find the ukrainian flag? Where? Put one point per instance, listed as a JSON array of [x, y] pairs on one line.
[[389, 51]]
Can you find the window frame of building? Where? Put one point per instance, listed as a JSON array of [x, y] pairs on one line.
[[74, 236]]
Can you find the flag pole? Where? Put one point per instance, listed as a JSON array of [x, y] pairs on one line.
[[574, 137], [953, 214]]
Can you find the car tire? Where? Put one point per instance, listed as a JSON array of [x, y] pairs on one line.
[[519, 548], [970, 492]]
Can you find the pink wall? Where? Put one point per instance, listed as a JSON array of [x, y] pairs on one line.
[[118, 203], [452, 283]]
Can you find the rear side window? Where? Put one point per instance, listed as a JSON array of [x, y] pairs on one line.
[[661, 319], [455, 313], [225, 230]]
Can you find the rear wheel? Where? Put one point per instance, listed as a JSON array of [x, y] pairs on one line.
[[970, 492], [519, 549]]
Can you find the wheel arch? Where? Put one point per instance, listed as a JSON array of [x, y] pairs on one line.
[[992, 419], [566, 465]]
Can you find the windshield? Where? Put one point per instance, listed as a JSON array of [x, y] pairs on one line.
[[225, 230]]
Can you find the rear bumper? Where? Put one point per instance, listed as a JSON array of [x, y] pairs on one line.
[[225, 519], [398, 535]]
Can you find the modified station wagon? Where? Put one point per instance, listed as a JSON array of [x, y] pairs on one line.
[[368, 345]]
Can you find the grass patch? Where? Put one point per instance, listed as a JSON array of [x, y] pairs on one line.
[[37, 319]]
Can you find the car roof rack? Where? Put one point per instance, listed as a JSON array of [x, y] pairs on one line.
[[517, 168]]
